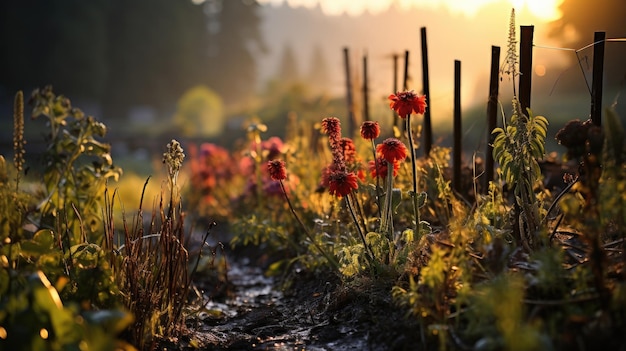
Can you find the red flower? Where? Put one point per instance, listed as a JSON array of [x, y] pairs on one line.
[[370, 130], [392, 150], [342, 183], [381, 171], [332, 127], [348, 148], [407, 102], [276, 169]]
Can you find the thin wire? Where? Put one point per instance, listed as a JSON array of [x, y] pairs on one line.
[[578, 58]]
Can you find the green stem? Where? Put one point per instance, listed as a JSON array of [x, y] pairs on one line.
[[413, 169], [370, 253], [377, 178]]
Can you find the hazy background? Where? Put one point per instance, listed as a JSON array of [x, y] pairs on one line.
[[175, 68]]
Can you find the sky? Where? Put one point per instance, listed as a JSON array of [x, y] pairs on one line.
[[543, 9], [461, 30]]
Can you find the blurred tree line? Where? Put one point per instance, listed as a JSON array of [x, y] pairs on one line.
[[123, 53]]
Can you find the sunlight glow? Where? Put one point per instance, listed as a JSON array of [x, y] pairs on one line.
[[546, 10]]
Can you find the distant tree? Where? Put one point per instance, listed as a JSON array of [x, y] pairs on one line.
[[234, 42], [157, 50], [288, 72], [319, 76], [61, 42], [200, 113], [123, 53], [580, 19]]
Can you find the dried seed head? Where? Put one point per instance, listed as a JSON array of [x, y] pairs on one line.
[[173, 157]]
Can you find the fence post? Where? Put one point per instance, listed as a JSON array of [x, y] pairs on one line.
[[525, 66], [597, 78], [394, 117], [366, 108], [350, 102], [456, 161], [405, 81], [428, 129], [492, 114]]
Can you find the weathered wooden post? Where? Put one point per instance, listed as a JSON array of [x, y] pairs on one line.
[[597, 79], [458, 147], [395, 118], [366, 109], [428, 129], [405, 80], [525, 66], [349, 99], [492, 114]]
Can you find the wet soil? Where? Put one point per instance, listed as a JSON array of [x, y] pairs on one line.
[[304, 311]]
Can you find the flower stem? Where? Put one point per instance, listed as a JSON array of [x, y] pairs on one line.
[[414, 170], [370, 253], [386, 226], [377, 178], [330, 259]]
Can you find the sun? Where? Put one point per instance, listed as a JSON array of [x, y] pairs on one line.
[[547, 10]]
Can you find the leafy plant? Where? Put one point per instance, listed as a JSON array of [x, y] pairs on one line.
[[517, 147], [76, 166], [80, 309]]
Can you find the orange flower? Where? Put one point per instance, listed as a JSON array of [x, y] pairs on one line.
[[370, 130], [407, 102], [342, 183], [276, 169], [382, 165], [392, 150]]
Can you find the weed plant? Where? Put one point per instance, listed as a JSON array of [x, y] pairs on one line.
[[69, 279]]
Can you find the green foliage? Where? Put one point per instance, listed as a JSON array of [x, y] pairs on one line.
[[200, 113], [77, 166], [33, 317], [498, 319], [612, 188]]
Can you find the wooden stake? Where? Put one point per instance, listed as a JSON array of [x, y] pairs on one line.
[[525, 66], [596, 82], [492, 114], [456, 179], [428, 129], [366, 109], [394, 116], [350, 101], [405, 82]]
